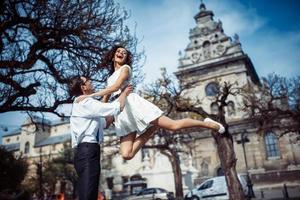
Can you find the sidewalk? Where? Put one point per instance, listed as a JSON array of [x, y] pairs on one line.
[[276, 193]]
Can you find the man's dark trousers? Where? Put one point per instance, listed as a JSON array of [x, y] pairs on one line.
[[87, 165]]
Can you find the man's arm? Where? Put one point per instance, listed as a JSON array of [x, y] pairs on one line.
[[123, 96]]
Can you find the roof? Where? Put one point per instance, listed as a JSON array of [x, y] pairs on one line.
[[60, 121], [54, 140], [12, 147], [36, 119], [16, 131]]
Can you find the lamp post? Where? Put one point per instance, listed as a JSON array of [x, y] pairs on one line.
[[244, 139], [40, 175]]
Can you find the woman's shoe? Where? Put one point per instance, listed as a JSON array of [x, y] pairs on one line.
[[221, 129]]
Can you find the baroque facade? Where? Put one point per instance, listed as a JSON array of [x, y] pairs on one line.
[[211, 58]]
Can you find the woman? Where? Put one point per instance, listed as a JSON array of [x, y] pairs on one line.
[[139, 115]]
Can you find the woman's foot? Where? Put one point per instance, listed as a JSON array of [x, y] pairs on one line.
[[221, 128]]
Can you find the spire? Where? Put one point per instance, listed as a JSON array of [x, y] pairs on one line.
[[202, 6], [203, 12]]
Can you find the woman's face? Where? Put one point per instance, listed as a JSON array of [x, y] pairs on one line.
[[120, 56]]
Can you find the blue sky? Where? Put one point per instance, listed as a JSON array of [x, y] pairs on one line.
[[269, 32]]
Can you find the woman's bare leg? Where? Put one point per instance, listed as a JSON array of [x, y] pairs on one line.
[[173, 125], [130, 144]]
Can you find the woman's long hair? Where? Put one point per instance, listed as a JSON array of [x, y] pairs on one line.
[[108, 59]]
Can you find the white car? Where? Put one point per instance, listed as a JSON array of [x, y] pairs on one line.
[[214, 188], [152, 193]]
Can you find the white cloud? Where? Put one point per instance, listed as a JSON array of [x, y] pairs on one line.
[[236, 18], [274, 51]]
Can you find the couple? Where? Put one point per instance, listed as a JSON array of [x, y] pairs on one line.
[[131, 115]]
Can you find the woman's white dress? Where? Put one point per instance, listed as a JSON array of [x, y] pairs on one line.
[[138, 112]]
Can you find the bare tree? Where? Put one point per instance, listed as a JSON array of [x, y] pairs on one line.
[[166, 92], [44, 42], [274, 105]]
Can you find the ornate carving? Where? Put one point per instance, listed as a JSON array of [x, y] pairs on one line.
[[220, 49], [195, 57]]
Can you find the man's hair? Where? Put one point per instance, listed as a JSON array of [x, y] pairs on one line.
[[75, 86]]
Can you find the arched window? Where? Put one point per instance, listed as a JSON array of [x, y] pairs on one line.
[[271, 142], [206, 44], [212, 89], [27, 146], [214, 108], [204, 168], [230, 108], [206, 49]]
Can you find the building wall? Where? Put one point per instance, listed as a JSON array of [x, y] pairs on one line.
[[11, 139]]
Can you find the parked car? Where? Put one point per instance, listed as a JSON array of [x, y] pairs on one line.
[[214, 188], [152, 194]]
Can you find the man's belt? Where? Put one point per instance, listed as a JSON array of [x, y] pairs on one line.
[[114, 97]]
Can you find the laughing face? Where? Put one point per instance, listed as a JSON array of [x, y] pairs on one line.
[[120, 56]]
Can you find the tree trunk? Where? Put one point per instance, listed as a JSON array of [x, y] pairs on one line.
[[175, 162], [228, 162]]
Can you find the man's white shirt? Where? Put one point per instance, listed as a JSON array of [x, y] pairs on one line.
[[88, 120]]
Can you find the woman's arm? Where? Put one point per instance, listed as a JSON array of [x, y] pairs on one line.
[[113, 88], [116, 86]]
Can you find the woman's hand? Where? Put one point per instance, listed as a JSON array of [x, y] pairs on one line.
[[81, 98], [128, 90]]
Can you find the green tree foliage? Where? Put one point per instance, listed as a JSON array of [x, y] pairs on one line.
[[54, 170], [12, 171]]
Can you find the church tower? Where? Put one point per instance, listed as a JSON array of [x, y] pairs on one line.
[[212, 57]]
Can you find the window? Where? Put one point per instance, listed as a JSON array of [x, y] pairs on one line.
[[26, 150], [145, 152], [206, 185], [214, 108], [147, 191], [271, 143], [212, 89], [124, 179], [206, 44], [160, 190], [204, 168], [8, 140], [206, 49], [230, 108]]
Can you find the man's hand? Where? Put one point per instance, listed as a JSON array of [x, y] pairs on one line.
[[123, 96], [128, 90], [81, 97], [109, 120]]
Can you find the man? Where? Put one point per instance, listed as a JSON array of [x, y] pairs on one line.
[[87, 123]]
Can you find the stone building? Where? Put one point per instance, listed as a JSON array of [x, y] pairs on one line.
[[210, 58], [38, 140]]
